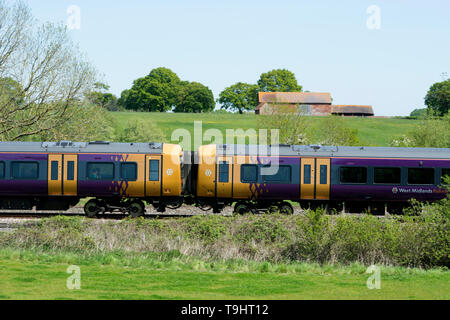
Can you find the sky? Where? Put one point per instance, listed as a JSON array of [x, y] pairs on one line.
[[384, 53]]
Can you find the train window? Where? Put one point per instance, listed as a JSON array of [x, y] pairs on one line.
[[100, 171], [70, 170], [224, 172], [323, 174], [420, 176], [353, 175], [387, 175], [249, 173], [283, 174], [2, 170], [54, 170], [128, 171], [25, 170], [154, 170], [307, 174], [445, 173]]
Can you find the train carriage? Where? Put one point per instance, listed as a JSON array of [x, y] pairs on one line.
[[351, 178], [118, 176]]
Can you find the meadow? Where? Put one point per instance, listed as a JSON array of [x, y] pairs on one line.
[[33, 275], [371, 131]]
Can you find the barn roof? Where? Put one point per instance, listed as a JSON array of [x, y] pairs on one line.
[[354, 109], [295, 97]]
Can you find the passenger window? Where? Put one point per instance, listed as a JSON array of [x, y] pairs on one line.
[[154, 170], [445, 173], [307, 174], [128, 171], [2, 170], [224, 172], [249, 173], [283, 175], [71, 170], [420, 176], [25, 170], [353, 175], [54, 170], [323, 174], [100, 171], [387, 175]]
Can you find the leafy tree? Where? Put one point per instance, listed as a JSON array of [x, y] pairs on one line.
[[102, 98], [431, 132], [140, 131], [43, 74], [158, 91], [419, 113], [292, 127], [334, 132], [194, 97], [11, 91], [239, 97], [438, 97], [279, 80]]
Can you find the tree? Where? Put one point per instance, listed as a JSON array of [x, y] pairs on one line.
[[46, 73], [102, 98], [158, 91], [279, 80], [417, 113], [438, 97], [194, 97], [334, 132], [239, 97], [292, 126], [430, 132]]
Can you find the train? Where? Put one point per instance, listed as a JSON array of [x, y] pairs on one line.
[[125, 177]]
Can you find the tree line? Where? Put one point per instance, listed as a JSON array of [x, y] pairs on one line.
[[162, 90]]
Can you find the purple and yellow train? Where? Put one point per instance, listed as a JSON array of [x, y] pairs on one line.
[[125, 176]]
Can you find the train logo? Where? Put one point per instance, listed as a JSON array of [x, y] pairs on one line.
[[395, 190], [169, 172], [208, 173]]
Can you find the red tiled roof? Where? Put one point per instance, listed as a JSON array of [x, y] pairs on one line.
[[352, 109], [295, 97]]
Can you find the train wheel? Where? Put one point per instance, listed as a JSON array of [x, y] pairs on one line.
[[241, 208], [92, 208], [286, 208], [136, 209]]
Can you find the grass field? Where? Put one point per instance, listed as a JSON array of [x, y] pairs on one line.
[[36, 275], [371, 131]]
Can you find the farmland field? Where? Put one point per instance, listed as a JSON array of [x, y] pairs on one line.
[[371, 131]]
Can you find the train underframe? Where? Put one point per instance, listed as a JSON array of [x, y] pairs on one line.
[[286, 207], [136, 206]]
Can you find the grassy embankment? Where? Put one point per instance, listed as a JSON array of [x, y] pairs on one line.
[[371, 131], [249, 257]]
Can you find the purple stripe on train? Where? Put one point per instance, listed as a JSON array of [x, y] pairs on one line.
[[391, 193], [390, 162]]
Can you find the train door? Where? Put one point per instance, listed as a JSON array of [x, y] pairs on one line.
[[315, 178], [224, 181], [153, 175], [62, 174], [323, 179], [307, 178]]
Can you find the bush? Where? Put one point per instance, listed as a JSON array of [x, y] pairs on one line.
[[267, 229]]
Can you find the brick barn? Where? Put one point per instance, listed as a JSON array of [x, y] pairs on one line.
[[308, 103]]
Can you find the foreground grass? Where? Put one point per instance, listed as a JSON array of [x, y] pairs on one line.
[[30, 274], [371, 131]]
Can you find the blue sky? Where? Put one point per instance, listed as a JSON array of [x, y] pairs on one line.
[[326, 43]]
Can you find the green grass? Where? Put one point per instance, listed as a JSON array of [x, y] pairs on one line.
[[371, 131], [37, 275]]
